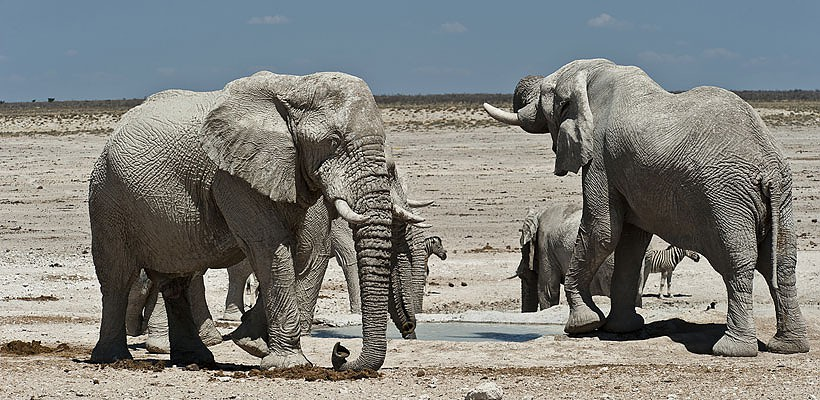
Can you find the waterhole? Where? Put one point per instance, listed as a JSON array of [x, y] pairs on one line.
[[454, 331]]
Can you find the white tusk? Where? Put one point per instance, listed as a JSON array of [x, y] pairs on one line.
[[406, 216], [423, 225], [348, 214], [501, 115], [419, 203]]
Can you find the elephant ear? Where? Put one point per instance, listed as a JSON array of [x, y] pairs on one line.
[[248, 135], [571, 111], [530, 227]]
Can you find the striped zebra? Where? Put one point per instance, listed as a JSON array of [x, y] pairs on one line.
[[432, 245], [665, 261]]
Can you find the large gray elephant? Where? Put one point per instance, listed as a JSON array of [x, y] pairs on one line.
[[146, 308], [547, 240], [698, 168], [190, 181]]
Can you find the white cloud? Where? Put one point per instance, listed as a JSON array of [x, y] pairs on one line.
[[72, 53], [453, 27], [665, 58], [719, 53], [269, 20], [607, 21]]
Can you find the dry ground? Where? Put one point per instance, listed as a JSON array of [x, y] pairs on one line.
[[483, 177]]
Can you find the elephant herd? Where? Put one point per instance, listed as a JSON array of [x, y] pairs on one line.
[[256, 176]]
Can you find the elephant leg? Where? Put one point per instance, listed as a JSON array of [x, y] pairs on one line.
[[598, 235], [739, 340], [549, 285], [234, 300], [183, 331], [135, 320], [208, 332], [116, 279], [626, 277], [345, 253], [791, 327], [157, 341], [529, 290]]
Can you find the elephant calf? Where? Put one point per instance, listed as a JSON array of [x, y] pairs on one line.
[[547, 240]]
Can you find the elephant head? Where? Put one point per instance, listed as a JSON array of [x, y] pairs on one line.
[[294, 138], [557, 104], [527, 268]]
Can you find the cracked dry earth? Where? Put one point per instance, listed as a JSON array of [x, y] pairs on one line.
[[483, 178]]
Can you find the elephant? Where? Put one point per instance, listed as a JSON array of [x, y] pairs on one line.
[[547, 240], [145, 317], [699, 169], [195, 180]]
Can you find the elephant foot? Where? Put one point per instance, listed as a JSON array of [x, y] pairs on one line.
[[623, 322], [728, 346], [209, 334], [784, 345], [583, 319], [285, 360], [256, 347], [104, 354], [157, 344], [201, 356]]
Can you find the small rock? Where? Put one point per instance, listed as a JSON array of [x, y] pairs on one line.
[[192, 367], [463, 283], [485, 391], [223, 378], [451, 284], [95, 381]]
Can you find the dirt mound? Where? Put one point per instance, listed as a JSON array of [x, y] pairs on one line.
[[309, 374], [21, 348]]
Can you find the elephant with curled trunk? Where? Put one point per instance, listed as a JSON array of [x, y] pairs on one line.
[[146, 310], [196, 180], [699, 169]]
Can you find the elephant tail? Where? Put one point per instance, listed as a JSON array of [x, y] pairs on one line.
[[779, 195]]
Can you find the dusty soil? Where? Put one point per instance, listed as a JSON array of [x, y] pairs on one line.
[[483, 177]]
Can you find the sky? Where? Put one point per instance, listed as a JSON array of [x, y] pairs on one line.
[[94, 49]]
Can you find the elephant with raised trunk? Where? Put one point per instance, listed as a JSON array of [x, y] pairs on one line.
[[699, 169], [196, 180]]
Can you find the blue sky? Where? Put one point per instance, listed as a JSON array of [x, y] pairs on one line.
[[117, 49]]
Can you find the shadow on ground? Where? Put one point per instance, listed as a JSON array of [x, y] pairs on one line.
[[697, 338]]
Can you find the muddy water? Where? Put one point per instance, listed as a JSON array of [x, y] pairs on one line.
[[454, 331]]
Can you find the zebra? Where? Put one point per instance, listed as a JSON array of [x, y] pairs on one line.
[[432, 245], [665, 261]]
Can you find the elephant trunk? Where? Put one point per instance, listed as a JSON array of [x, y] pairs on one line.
[[529, 280], [407, 279], [373, 247]]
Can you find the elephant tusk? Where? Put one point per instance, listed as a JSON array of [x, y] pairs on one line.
[[423, 225], [406, 216], [348, 214], [502, 116], [419, 203]]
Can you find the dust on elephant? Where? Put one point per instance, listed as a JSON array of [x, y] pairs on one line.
[[547, 240], [196, 180], [699, 169]]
